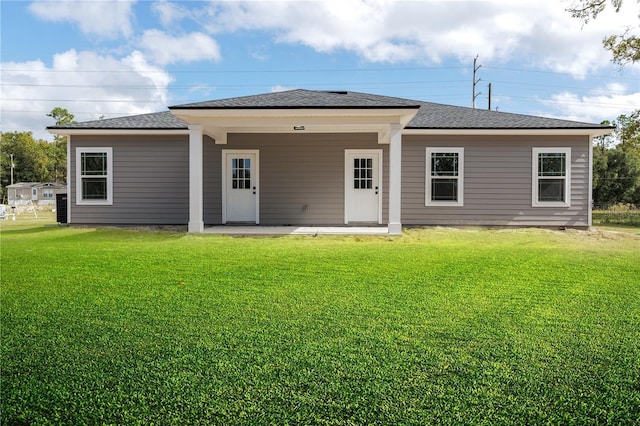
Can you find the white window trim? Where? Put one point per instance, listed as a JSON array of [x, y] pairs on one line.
[[534, 177], [427, 200], [79, 199]]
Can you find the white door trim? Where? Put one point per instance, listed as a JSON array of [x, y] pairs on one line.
[[227, 152], [348, 181]]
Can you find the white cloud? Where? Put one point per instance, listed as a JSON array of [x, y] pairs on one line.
[[110, 19], [170, 13], [280, 88], [605, 103], [537, 33], [86, 84], [166, 49]]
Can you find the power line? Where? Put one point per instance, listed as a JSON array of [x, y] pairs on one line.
[[232, 86], [308, 70], [254, 71], [574, 75]]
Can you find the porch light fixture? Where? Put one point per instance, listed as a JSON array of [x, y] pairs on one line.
[[298, 127]]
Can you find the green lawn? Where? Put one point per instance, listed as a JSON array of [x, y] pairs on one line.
[[437, 327]]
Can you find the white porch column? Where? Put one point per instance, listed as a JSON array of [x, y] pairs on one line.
[[68, 179], [395, 180], [196, 220]]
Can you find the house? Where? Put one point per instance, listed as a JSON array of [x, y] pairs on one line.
[[305, 157], [40, 193]]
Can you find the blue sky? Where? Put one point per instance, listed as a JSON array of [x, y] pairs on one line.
[[114, 58]]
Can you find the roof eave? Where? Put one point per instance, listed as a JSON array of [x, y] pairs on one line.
[[92, 131], [564, 131]]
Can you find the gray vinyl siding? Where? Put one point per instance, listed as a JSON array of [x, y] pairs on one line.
[[212, 181], [301, 176], [497, 182], [150, 181], [302, 179]]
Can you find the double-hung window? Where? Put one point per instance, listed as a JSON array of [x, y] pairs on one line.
[[551, 177], [94, 171], [445, 177]]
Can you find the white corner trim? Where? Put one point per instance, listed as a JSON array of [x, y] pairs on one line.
[[69, 179], [590, 206]]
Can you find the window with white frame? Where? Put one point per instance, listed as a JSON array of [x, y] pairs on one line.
[[551, 177], [94, 172], [47, 193], [445, 177]]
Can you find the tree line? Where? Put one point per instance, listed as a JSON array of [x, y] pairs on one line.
[[616, 163], [34, 160]]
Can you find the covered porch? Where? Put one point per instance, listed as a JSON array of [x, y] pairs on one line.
[[224, 125]]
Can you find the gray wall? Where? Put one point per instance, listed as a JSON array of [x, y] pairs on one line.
[[150, 181], [497, 182]]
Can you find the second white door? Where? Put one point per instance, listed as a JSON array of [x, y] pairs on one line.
[[241, 186], [363, 186]]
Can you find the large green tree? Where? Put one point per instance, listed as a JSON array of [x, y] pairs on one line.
[[30, 158], [625, 47], [58, 150], [616, 163]]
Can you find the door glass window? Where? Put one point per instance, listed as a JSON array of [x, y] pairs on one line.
[[241, 173], [362, 173]]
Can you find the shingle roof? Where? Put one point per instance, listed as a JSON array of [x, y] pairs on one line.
[[438, 116], [429, 115], [305, 99], [37, 184], [154, 121]]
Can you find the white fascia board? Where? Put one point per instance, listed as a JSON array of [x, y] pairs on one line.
[[508, 132], [96, 132], [256, 117]]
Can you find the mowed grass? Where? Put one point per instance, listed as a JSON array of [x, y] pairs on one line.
[[105, 326]]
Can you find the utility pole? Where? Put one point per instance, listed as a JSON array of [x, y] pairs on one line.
[[489, 108], [474, 95], [12, 167]]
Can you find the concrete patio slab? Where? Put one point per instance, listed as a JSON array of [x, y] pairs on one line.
[[297, 230]]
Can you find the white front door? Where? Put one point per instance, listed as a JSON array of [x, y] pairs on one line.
[[363, 186], [240, 186]]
